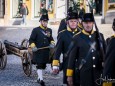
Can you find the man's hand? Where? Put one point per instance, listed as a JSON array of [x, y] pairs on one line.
[[51, 46], [70, 81], [34, 49]]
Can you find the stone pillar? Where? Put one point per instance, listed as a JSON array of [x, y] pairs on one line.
[[6, 14], [66, 6], [103, 12]]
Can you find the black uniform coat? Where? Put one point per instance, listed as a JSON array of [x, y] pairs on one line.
[[109, 67], [63, 41], [108, 39], [40, 37], [63, 25], [92, 69]]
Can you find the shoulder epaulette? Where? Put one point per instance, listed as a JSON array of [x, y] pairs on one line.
[[62, 31], [76, 34]]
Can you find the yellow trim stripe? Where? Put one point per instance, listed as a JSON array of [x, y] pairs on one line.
[[86, 33], [80, 26], [76, 34], [69, 72], [55, 63], [107, 84], [42, 27], [71, 30], [32, 45], [62, 31]]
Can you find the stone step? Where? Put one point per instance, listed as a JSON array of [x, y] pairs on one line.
[[98, 19], [36, 22], [110, 15]]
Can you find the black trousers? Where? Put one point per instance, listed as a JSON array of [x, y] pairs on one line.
[[41, 66]]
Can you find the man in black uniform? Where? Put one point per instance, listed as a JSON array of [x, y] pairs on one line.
[[41, 37], [85, 55], [109, 66], [109, 38], [63, 23], [63, 42]]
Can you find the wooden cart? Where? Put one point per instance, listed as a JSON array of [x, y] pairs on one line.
[[22, 52]]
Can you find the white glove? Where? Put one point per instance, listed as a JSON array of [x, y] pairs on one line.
[[55, 69], [34, 49], [51, 45]]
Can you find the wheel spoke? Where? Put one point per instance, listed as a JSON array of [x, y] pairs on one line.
[[26, 62]]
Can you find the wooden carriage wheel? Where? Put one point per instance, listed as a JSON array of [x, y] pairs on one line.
[[26, 63], [3, 56], [25, 43]]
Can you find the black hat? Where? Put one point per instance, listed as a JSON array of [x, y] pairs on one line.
[[44, 17], [72, 15], [113, 22], [88, 17]]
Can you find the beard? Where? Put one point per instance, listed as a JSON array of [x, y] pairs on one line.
[[88, 30], [45, 26]]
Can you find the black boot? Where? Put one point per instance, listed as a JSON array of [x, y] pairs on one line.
[[41, 82]]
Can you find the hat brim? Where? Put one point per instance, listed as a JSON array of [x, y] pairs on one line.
[[88, 20]]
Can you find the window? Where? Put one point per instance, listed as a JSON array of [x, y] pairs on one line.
[[50, 6], [16, 5], [111, 1], [42, 6], [111, 4], [2, 8], [36, 8]]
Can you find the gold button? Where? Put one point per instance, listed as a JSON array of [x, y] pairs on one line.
[[92, 50], [93, 58], [89, 36]]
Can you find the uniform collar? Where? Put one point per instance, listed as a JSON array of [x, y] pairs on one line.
[[43, 27], [86, 33], [71, 30], [114, 35]]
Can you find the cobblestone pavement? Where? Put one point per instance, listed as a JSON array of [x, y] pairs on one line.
[[13, 74]]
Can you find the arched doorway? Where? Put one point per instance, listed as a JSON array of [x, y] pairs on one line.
[[2, 8]]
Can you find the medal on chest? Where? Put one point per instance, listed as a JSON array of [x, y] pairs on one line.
[[48, 34]]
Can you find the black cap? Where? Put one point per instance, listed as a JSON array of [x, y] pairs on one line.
[[72, 15], [88, 17], [113, 22], [44, 17]]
